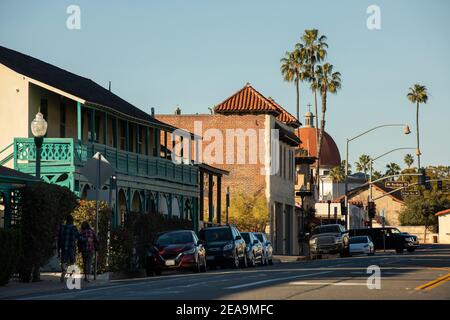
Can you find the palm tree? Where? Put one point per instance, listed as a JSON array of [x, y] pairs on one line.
[[337, 174], [327, 81], [418, 94], [376, 175], [392, 169], [363, 164], [409, 160], [349, 166], [292, 65], [315, 48]]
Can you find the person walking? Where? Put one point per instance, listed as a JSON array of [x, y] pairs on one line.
[[68, 236], [88, 246]]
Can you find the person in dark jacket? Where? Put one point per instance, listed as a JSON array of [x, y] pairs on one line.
[[88, 246], [67, 240]]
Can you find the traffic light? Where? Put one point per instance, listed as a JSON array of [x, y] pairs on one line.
[[439, 184], [422, 177], [371, 209], [343, 208]]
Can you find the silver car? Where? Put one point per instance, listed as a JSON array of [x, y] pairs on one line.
[[361, 245], [267, 247]]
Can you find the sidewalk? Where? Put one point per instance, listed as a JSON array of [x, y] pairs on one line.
[[50, 282], [284, 259]]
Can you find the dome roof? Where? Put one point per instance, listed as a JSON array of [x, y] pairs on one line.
[[330, 153]]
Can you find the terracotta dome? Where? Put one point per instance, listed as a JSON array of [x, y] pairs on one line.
[[330, 153]]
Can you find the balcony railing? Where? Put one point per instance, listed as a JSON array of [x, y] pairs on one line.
[[65, 152]]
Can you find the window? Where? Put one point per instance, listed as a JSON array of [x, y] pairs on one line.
[[123, 133], [62, 120], [97, 127]]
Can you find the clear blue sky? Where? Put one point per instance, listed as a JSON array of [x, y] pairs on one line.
[[196, 53]]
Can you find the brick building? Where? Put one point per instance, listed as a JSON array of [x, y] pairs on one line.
[[240, 138]]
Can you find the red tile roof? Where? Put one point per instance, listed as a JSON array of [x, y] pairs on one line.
[[285, 116], [329, 154], [442, 213], [247, 100]]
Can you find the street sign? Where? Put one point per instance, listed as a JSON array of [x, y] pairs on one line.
[[97, 165], [410, 192], [396, 184]]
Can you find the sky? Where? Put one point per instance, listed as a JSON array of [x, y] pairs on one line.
[[196, 53]]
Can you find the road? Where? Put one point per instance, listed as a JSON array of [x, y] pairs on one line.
[[424, 274]]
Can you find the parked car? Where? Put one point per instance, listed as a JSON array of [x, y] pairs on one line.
[[254, 249], [176, 250], [361, 245], [330, 238], [224, 246], [267, 246], [388, 238]]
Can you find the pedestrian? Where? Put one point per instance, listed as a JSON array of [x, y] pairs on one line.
[[68, 236], [88, 246]]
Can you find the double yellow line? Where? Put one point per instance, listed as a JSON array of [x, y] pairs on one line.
[[434, 283]]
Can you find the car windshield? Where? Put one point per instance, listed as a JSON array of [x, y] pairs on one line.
[[395, 231], [327, 229], [358, 240], [174, 238], [220, 234], [246, 237], [259, 236]]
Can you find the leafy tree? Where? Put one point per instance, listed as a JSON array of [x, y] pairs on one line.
[[363, 164], [249, 212], [337, 174], [376, 175], [421, 210], [417, 94], [392, 169], [349, 169], [409, 160]]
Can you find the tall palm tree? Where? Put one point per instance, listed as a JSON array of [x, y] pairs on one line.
[[327, 81], [337, 174], [376, 175], [315, 48], [409, 160], [392, 169], [418, 94], [292, 65], [363, 164]]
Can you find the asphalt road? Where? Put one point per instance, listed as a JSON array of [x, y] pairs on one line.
[[424, 274]]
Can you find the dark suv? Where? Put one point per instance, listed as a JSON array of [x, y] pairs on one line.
[[388, 238], [224, 246]]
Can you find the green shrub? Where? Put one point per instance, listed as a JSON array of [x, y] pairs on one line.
[[86, 212], [43, 208], [9, 253]]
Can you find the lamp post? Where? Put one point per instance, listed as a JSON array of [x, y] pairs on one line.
[[39, 129], [406, 130]]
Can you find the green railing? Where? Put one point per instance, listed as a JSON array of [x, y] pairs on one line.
[[6, 154], [65, 152]]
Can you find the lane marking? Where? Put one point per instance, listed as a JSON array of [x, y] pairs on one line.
[[434, 283], [252, 284], [306, 283]]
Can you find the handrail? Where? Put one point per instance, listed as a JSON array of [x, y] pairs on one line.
[[9, 146], [9, 156]]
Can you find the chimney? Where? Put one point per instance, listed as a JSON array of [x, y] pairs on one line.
[[152, 112], [109, 87], [177, 111]]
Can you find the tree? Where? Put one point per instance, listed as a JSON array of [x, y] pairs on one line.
[[327, 81], [418, 94], [376, 175], [363, 164], [392, 169], [421, 210], [337, 174], [249, 212], [409, 160], [292, 65], [349, 169]]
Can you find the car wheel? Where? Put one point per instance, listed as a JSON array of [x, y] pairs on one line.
[[253, 260], [244, 261], [197, 267], [271, 261], [236, 261]]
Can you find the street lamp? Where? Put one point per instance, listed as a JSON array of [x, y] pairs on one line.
[[406, 130], [39, 129]]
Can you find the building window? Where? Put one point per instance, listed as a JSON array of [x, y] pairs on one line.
[[97, 127], [123, 135], [62, 120]]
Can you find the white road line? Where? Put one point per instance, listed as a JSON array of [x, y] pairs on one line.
[[306, 283], [251, 284]]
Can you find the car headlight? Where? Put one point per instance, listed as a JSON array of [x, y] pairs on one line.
[[337, 239], [190, 251], [313, 241], [228, 247], [410, 239]]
